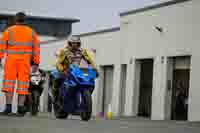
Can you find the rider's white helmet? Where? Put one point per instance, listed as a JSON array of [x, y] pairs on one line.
[[74, 39]]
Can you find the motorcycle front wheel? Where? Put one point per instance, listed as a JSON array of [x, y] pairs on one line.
[[87, 113], [35, 103]]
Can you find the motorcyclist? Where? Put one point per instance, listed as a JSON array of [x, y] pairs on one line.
[[72, 53]]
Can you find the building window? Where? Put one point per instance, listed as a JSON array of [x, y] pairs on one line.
[[3, 25], [42, 27]]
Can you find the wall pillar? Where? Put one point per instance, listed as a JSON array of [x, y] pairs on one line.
[[96, 103], [194, 90], [129, 100], [98, 93], [116, 90], [159, 88]]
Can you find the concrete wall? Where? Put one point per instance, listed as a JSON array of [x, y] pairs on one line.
[[180, 23], [107, 47], [48, 50]]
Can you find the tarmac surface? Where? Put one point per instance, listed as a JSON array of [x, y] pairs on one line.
[[44, 124]]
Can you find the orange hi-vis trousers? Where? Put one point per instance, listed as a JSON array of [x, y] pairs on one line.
[[16, 69]]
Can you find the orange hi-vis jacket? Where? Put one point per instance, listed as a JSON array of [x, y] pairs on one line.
[[21, 46]]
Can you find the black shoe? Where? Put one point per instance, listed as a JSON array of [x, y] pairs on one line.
[[21, 111], [7, 111]]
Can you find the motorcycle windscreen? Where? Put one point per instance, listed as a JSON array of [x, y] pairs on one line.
[[55, 73]]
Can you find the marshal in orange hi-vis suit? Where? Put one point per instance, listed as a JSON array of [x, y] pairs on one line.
[[21, 46]]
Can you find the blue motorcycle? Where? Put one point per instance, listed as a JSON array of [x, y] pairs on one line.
[[74, 95]]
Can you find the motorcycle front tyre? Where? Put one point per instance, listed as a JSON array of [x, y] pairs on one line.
[[35, 103], [87, 113]]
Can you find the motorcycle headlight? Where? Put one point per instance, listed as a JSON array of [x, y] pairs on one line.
[[85, 74], [35, 80], [43, 78]]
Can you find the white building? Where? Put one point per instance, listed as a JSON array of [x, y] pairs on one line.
[[143, 62]]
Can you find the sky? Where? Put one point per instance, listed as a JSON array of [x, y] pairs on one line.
[[93, 14]]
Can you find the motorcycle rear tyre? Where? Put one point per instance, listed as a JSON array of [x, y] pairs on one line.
[[59, 112]]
